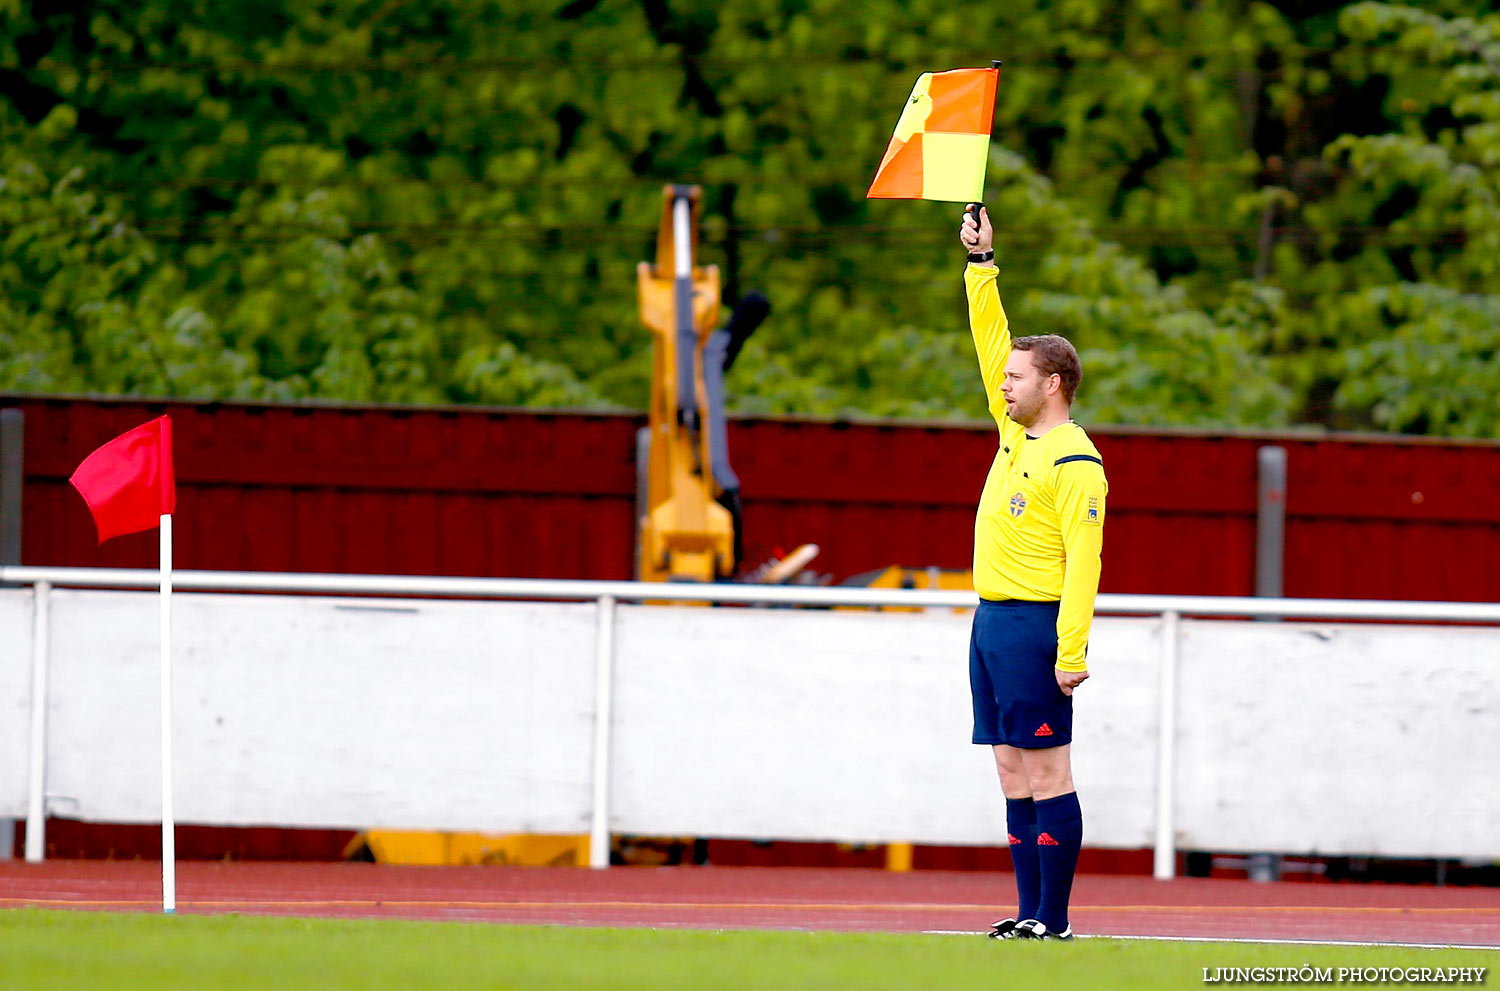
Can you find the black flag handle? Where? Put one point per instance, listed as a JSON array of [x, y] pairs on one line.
[[974, 208]]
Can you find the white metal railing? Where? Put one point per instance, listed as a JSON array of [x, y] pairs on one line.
[[836, 595], [606, 594]]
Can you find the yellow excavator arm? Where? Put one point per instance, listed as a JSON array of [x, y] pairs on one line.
[[688, 494]]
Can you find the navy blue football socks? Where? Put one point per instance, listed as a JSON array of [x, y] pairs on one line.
[[1020, 823], [1059, 836]]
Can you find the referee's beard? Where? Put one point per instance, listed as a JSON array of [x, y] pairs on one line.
[[1025, 407]]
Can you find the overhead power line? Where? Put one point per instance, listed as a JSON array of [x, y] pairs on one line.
[[673, 61], [809, 234], [855, 181]]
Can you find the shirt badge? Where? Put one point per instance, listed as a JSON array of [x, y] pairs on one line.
[[1018, 504], [1092, 516]]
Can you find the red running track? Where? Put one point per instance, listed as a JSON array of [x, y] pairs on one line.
[[766, 898]]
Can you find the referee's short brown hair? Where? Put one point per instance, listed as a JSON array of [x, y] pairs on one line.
[[1054, 355]]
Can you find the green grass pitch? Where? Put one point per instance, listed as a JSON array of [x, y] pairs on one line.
[[76, 950]]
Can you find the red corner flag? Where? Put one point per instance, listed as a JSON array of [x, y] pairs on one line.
[[129, 483]]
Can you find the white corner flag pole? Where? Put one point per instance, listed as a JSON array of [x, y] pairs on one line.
[[168, 832]]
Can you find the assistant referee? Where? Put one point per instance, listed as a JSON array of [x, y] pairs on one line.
[[1037, 541]]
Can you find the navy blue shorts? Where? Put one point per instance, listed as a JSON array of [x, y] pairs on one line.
[[1012, 653]]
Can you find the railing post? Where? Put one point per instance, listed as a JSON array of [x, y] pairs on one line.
[[1165, 864], [11, 475], [604, 663], [36, 801]]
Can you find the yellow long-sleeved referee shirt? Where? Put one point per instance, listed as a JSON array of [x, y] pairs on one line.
[[1040, 525]]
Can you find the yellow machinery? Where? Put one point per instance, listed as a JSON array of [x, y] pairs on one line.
[[896, 576], [399, 846], [687, 493]]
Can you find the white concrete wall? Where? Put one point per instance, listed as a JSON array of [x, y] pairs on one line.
[[1382, 740], [747, 722], [325, 712]]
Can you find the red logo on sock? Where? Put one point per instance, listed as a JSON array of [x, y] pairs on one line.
[[1045, 839], [1013, 840], [1044, 731]]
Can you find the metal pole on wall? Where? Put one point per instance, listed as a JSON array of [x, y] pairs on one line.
[[1164, 866], [12, 423], [1270, 556], [1270, 521], [604, 664]]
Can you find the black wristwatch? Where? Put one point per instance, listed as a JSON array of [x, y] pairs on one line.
[[982, 256]]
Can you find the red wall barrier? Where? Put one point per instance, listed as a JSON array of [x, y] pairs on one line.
[[524, 494]]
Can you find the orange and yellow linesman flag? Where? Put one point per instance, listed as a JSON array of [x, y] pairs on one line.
[[942, 140]]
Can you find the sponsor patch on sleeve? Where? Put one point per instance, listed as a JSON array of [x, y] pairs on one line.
[[1091, 514]]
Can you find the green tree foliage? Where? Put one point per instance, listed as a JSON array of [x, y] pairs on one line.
[[1244, 213]]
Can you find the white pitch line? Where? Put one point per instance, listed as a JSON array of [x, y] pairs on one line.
[[1227, 939]]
